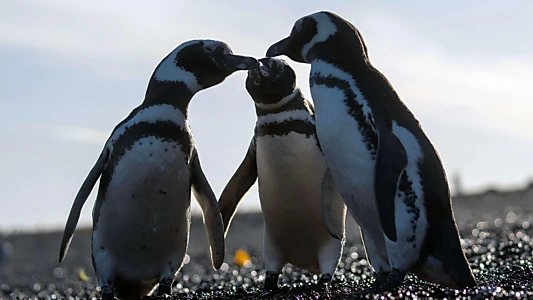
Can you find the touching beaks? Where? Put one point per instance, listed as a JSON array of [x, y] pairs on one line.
[[238, 62]]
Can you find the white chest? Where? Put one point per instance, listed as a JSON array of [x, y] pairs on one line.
[[288, 165], [149, 159], [344, 147], [150, 179]]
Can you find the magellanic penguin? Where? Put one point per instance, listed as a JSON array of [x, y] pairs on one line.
[[388, 172], [285, 157], [141, 216]]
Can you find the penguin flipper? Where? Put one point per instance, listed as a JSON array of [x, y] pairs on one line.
[[332, 206], [79, 201], [391, 161], [208, 203], [238, 186]]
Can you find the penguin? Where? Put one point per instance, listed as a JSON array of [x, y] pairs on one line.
[[387, 170], [285, 157], [141, 216]]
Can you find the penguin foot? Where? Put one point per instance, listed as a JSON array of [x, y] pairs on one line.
[[108, 293], [325, 282], [108, 297], [267, 294], [394, 280], [325, 279], [380, 279], [165, 287], [271, 281]]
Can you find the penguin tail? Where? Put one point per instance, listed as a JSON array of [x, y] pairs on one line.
[[445, 262], [462, 276], [456, 274]]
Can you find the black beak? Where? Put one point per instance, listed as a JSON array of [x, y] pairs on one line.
[[262, 71], [237, 62], [278, 48]]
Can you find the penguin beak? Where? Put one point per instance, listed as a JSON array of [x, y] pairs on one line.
[[278, 48], [260, 74], [236, 62], [264, 70]]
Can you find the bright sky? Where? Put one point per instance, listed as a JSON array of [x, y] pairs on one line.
[[71, 70]]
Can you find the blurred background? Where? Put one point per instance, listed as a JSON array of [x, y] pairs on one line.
[[71, 70]]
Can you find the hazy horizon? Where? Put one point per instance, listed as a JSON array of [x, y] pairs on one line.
[[72, 71]]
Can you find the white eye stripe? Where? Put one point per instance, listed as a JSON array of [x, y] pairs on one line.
[[169, 71], [325, 28]]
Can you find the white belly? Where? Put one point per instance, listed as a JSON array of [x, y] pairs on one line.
[[290, 170], [348, 157], [143, 220]]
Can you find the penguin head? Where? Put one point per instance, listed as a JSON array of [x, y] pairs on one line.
[[319, 34], [201, 64], [271, 81]]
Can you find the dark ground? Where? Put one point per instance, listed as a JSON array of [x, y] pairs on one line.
[[496, 228]]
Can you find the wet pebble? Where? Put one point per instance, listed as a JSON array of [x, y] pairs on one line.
[[499, 250]]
